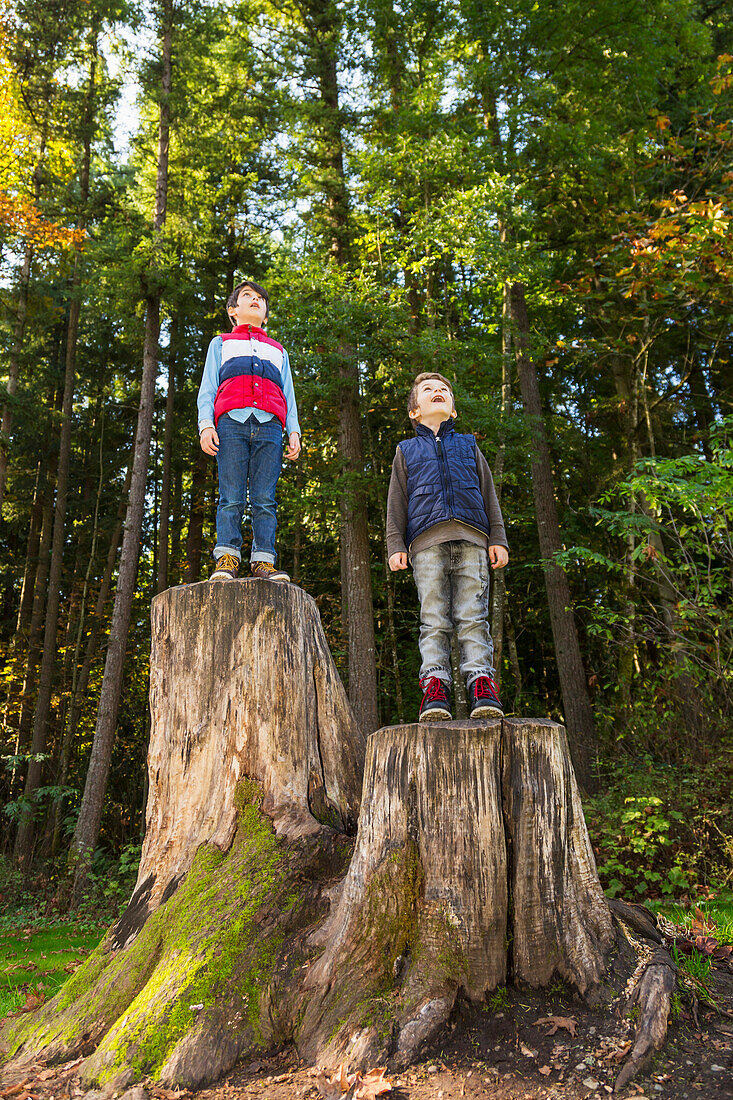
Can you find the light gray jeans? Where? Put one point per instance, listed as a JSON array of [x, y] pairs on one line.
[[453, 585]]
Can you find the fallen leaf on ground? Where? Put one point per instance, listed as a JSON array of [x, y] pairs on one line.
[[619, 1054], [70, 1066], [15, 1090], [554, 1022], [344, 1086], [34, 998], [544, 1070], [374, 1083]]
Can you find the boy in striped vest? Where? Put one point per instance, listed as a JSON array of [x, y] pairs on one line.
[[246, 400], [442, 512]]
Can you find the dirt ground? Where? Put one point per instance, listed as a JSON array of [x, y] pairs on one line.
[[500, 1052]]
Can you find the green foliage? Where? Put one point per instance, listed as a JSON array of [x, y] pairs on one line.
[[695, 965], [498, 1000], [661, 831]]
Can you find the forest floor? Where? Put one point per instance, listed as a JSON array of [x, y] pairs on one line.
[[502, 1052]]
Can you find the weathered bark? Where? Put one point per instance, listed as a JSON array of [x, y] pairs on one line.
[[247, 930], [560, 923], [423, 909], [246, 706], [573, 683]]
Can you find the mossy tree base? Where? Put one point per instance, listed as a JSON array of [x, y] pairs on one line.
[[210, 975]]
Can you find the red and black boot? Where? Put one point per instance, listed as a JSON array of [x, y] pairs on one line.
[[435, 706], [484, 698]]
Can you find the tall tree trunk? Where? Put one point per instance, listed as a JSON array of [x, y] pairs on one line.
[[356, 576], [17, 654], [80, 680], [40, 588], [176, 525], [573, 683], [195, 536], [628, 406], [24, 839], [90, 815], [21, 315], [498, 587], [69, 725], [165, 486]]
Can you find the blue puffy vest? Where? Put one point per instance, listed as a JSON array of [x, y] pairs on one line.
[[442, 480]]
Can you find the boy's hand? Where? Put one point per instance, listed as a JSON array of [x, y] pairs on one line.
[[498, 556], [209, 440], [293, 448], [398, 561]]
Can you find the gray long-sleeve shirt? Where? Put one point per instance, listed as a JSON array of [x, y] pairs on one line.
[[440, 532]]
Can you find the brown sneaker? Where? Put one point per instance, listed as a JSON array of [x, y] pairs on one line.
[[267, 572], [226, 568]]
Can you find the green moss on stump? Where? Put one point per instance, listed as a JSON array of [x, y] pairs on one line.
[[220, 892], [207, 938]]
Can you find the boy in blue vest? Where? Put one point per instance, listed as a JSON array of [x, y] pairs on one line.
[[442, 512], [245, 400]]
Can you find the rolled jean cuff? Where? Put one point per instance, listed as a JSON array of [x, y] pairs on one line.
[[220, 551], [438, 671], [471, 676], [262, 555]]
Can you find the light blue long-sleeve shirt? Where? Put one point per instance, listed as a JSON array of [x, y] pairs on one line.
[[210, 384]]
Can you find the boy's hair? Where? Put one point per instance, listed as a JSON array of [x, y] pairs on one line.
[[412, 399], [234, 296]]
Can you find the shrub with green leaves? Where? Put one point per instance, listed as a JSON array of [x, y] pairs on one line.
[[662, 831]]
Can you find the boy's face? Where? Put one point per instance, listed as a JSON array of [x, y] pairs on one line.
[[434, 404], [251, 308]]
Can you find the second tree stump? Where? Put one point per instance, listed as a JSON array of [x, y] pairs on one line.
[[456, 820]]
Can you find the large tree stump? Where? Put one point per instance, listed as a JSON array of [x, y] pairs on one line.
[[255, 767], [251, 924]]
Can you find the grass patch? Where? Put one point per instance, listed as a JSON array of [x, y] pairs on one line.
[[39, 960], [718, 909]]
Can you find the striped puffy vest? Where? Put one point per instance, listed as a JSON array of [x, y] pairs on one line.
[[250, 374]]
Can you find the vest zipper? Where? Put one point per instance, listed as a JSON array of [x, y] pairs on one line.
[[448, 483]]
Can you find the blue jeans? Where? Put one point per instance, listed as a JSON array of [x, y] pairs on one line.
[[250, 458], [453, 585]]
